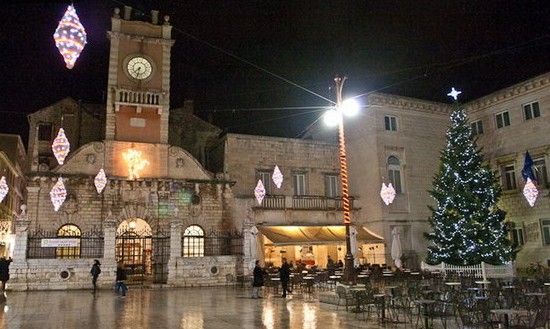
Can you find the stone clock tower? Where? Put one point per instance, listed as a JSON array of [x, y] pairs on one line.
[[138, 101]]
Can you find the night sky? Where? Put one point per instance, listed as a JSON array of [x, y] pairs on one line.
[[242, 61]]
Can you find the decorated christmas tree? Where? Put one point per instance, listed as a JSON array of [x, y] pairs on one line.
[[467, 224]]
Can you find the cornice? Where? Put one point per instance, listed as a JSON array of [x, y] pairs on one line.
[[377, 99], [508, 93], [140, 38]]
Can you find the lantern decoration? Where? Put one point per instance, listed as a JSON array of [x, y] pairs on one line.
[[61, 146], [259, 192], [530, 192], [100, 181], [277, 177], [135, 163], [387, 193], [3, 188], [58, 194], [70, 37]]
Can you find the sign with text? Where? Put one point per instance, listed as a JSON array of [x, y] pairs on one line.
[[59, 243]]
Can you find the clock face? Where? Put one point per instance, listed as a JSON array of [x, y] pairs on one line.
[[139, 68]]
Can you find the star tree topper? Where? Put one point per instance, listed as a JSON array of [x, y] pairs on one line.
[[454, 93]]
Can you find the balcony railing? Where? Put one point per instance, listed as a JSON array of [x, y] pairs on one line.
[[303, 202], [138, 97]]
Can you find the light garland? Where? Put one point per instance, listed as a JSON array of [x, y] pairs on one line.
[[135, 163], [3, 188], [259, 192], [61, 146], [70, 37], [387, 193], [277, 177], [100, 181], [58, 194], [530, 192]]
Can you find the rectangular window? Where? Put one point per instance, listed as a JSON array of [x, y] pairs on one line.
[[265, 177], [509, 175], [395, 179], [503, 119], [390, 122], [299, 183], [539, 169], [531, 110], [516, 234], [545, 227], [331, 186], [477, 128], [45, 132]]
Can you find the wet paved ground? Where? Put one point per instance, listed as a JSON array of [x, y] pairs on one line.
[[195, 308]]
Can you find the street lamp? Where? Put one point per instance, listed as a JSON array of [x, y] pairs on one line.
[[335, 116]]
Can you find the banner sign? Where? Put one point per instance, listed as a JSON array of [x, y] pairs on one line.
[[59, 243]]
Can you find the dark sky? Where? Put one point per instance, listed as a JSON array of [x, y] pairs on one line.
[[412, 48]]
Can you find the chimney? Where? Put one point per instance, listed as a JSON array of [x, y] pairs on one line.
[[155, 17], [127, 12]]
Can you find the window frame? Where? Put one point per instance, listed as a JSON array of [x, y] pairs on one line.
[[261, 174], [299, 183], [545, 231], [509, 181], [390, 123], [193, 241], [516, 234], [40, 135], [477, 127], [72, 231], [332, 186], [530, 111], [395, 174], [541, 171], [502, 119]]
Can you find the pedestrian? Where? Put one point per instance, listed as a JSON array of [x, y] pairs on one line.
[[284, 275], [4, 272], [258, 281], [95, 271], [121, 278]]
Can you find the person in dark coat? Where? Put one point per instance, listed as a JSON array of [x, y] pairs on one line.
[[258, 282], [95, 271], [284, 275], [4, 272], [121, 280]]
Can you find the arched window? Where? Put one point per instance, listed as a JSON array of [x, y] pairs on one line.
[[394, 173], [71, 235], [193, 241]]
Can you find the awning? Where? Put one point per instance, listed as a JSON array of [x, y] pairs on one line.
[[313, 235]]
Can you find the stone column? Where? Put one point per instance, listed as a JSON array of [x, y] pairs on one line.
[[19, 267], [176, 224], [108, 266]]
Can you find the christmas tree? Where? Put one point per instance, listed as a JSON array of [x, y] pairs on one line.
[[467, 224]]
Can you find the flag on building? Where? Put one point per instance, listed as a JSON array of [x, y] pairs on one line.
[[527, 171]]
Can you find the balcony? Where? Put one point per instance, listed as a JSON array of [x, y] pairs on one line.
[[139, 98], [302, 202]]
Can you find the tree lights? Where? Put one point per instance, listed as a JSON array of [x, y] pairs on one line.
[[70, 37]]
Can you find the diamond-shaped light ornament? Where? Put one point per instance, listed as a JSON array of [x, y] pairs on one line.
[[61, 146], [530, 192], [100, 181], [70, 37], [58, 194], [277, 177], [259, 191], [387, 193], [3, 188]]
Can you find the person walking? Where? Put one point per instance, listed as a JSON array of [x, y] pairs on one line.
[[284, 275], [4, 272], [258, 281], [95, 271], [121, 278]]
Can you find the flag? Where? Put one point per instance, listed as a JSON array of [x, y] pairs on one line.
[[527, 171]]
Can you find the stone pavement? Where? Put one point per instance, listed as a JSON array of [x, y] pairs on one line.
[[194, 308]]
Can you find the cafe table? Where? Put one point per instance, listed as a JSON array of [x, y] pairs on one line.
[[424, 305], [507, 312]]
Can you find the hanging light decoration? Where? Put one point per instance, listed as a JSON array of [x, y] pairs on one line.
[[259, 192], [3, 188], [134, 162], [58, 194], [70, 37], [387, 193], [61, 146], [277, 177], [530, 192], [100, 181]]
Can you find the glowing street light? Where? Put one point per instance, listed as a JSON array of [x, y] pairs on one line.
[[335, 117]]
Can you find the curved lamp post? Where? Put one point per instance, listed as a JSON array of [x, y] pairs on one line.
[[333, 117]]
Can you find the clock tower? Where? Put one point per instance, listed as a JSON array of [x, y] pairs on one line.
[[138, 86]]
